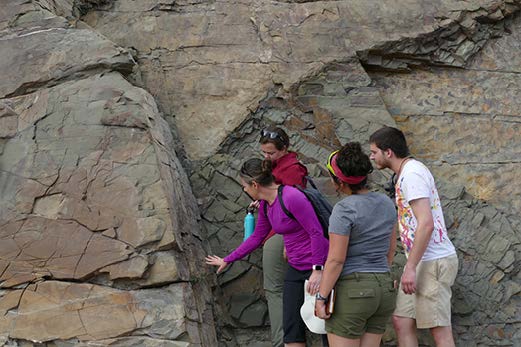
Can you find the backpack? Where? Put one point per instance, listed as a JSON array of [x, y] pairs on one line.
[[320, 204]]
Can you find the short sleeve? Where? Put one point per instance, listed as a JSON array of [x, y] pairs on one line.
[[415, 186], [342, 219]]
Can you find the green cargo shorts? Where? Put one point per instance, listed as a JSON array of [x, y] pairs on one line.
[[364, 304]]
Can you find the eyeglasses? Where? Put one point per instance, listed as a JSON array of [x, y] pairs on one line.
[[270, 134], [328, 164]]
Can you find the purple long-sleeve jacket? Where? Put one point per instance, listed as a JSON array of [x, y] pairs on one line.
[[303, 238]]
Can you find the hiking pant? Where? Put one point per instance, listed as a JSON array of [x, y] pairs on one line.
[[274, 269]]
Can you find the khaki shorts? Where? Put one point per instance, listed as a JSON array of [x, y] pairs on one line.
[[364, 303], [430, 305]]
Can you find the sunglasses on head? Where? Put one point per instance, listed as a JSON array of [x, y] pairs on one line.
[[270, 134], [328, 164]]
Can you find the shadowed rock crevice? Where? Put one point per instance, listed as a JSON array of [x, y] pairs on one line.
[[454, 43], [85, 72]]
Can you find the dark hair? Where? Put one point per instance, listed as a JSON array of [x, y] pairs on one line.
[[352, 161], [274, 135], [257, 170], [390, 138]]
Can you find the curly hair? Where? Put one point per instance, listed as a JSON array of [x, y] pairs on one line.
[[352, 161]]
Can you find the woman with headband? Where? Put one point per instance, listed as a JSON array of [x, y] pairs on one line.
[[362, 242]]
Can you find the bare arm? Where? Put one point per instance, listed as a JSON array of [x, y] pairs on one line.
[[334, 264], [421, 209]]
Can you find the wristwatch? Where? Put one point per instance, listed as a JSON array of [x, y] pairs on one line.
[[320, 297], [318, 267]]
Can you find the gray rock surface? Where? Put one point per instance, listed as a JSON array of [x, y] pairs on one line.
[[229, 54], [97, 213], [98, 223]]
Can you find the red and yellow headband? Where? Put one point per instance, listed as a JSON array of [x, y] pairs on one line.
[[333, 168]]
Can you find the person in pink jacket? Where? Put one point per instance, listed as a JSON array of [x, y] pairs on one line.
[[287, 169]]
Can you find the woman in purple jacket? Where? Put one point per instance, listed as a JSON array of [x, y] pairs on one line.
[[306, 246]]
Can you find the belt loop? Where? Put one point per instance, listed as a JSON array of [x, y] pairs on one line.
[[357, 277]]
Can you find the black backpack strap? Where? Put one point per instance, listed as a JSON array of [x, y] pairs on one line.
[[281, 202], [311, 183]]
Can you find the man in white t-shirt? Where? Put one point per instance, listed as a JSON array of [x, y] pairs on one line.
[[425, 288]]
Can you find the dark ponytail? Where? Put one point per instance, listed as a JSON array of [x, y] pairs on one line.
[[257, 170]]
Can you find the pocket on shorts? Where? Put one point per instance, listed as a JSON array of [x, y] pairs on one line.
[[361, 302], [361, 293], [447, 270]]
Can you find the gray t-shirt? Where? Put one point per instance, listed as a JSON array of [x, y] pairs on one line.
[[368, 220]]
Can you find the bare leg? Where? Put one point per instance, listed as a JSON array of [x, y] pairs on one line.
[[371, 340], [443, 336], [406, 331], [339, 341], [295, 344]]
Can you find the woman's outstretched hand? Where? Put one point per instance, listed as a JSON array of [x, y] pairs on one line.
[[216, 261]]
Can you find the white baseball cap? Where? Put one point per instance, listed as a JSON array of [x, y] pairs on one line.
[[307, 312]]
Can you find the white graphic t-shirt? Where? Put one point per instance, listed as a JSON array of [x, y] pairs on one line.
[[416, 182]]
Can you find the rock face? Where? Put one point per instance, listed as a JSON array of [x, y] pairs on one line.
[[57, 310], [98, 221], [228, 54]]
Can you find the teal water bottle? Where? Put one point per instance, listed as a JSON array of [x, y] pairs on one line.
[[249, 223]]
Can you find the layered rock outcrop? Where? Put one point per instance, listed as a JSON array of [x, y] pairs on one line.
[[98, 224], [228, 54], [97, 214]]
